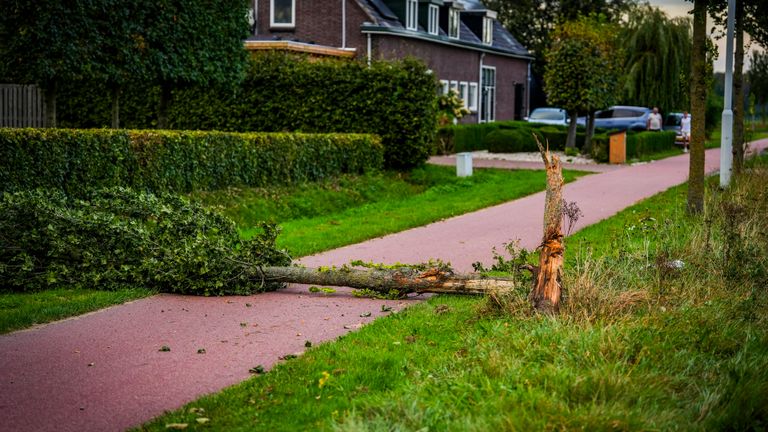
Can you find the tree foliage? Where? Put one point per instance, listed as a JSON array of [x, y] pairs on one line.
[[758, 76], [583, 67], [658, 59], [117, 238]]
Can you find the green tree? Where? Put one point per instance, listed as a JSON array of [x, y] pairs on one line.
[[758, 78], [658, 59], [582, 69], [194, 42], [47, 42]]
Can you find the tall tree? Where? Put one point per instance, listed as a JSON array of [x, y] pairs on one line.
[[47, 42], [196, 42], [758, 78], [582, 68], [658, 59], [698, 107]]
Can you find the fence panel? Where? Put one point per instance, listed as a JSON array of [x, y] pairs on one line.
[[21, 106]]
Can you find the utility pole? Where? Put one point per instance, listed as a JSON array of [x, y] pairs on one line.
[[726, 136]]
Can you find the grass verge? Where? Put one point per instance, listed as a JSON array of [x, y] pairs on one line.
[[22, 310], [643, 343]]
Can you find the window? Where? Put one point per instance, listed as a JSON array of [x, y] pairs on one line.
[[412, 14], [444, 86], [455, 87], [472, 97], [434, 19], [453, 23], [488, 97], [282, 13], [464, 93], [488, 31]]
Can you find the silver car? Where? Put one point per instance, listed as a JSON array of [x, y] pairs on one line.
[[553, 116]]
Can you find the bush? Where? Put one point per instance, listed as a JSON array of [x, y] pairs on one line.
[[286, 92], [471, 137], [639, 144], [165, 161], [510, 141], [117, 238]]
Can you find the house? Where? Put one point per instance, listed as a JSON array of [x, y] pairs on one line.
[[462, 42]]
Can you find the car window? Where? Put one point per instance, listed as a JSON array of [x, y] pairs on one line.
[[624, 112], [604, 114], [547, 115]]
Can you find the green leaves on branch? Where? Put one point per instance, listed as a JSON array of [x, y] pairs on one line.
[[116, 238], [164, 161]]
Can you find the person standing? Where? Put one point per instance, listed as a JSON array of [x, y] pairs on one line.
[[685, 130], [654, 120]]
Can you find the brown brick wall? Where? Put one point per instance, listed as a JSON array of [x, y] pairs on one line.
[[318, 21]]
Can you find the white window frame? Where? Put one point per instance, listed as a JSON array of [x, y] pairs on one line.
[[412, 14], [464, 93], [488, 89], [454, 23], [488, 31], [472, 97], [434, 20], [274, 24], [455, 86], [444, 87]]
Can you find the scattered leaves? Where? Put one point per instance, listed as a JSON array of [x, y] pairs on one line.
[[201, 351], [365, 314], [164, 348], [308, 344], [259, 369], [177, 426]]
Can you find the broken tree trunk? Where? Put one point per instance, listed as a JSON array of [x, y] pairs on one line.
[[545, 296], [404, 280]]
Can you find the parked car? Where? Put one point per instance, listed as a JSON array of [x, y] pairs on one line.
[[620, 117], [554, 116], [672, 123]]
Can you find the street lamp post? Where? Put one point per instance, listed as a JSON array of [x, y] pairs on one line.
[[726, 136]]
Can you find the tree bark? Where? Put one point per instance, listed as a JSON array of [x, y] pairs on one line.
[[162, 109], [698, 108], [405, 280], [545, 296], [738, 92], [50, 90], [571, 140], [116, 91], [590, 132]]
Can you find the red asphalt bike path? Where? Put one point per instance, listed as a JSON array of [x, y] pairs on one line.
[[105, 371]]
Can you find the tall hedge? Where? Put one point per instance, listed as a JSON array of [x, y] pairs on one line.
[[290, 93], [167, 161]]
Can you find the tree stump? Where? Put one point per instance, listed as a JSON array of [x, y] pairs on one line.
[[545, 295]]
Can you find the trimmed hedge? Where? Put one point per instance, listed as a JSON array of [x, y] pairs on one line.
[[639, 144], [287, 92], [168, 161], [489, 136]]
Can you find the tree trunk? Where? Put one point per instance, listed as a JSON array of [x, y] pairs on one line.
[[162, 109], [698, 108], [738, 92], [403, 280], [116, 90], [590, 132], [50, 90], [545, 296], [571, 140]]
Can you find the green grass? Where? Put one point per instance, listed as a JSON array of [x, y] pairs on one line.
[[426, 196], [22, 310], [637, 346]]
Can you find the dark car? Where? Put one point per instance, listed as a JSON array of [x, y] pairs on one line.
[[620, 117]]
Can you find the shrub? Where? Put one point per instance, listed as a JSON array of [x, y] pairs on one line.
[[511, 141], [286, 92], [117, 238], [639, 144], [165, 161], [471, 137]]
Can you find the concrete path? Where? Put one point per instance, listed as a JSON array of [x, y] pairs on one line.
[[104, 371]]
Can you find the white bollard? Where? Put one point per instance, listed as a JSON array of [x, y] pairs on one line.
[[464, 164]]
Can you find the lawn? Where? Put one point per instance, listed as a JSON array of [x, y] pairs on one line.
[[315, 217], [643, 342]]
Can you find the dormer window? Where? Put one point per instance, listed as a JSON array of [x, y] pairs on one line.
[[488, 31], [453, 23], [282, 13], [412, 14], [434, 19]]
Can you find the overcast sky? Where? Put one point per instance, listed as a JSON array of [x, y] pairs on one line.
[[682, 8]]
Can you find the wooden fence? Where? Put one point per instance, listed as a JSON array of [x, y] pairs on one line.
[[21, 106]]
